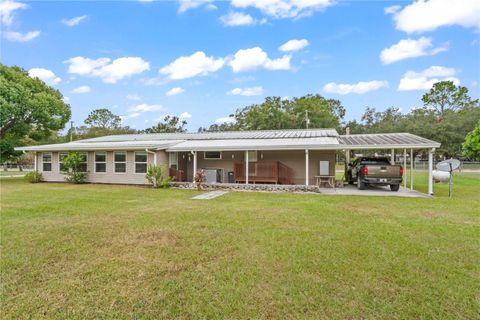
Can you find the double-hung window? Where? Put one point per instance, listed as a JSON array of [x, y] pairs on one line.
[[140, 162], [100, 162], [212, 155], [47, 161], [120, 161], [62, 156]]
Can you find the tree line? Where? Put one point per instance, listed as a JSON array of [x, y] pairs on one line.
[[34, 113]]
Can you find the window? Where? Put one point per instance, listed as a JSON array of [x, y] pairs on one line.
[[120, 162], [62, 156], [100, 162], [252, 156], [212, 155], [173, 160], [47, 161], [83, 164], [140, 162]]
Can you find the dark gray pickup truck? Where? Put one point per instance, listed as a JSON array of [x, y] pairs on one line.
[[374, 170]]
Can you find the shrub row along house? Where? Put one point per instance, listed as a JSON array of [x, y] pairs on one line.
[[270, 156]]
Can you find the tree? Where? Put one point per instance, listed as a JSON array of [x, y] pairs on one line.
[[29, 110], [103, 118], [170, 124], [445, 95], [471, 146], [28, 107]]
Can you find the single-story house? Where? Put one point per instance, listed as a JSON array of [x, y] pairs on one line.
[[295, 156]]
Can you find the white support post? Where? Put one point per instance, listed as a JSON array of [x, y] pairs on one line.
[[246, 167], [194, 164], [412, 160], [306, 167], [405, 168], [155, 157], [430, 169], [392, 157], [35, 161]]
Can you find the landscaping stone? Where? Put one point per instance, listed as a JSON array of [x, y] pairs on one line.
[[247, 187]]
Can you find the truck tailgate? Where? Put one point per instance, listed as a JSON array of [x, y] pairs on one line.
[[383, 171]]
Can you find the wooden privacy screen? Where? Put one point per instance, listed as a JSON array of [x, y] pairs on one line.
[[264, 172]]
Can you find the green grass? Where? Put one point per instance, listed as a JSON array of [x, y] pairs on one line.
[[122, 252]]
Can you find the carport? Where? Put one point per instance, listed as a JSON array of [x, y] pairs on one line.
[[393, 143]]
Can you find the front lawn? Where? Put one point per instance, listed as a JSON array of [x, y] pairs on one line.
[[123, 252]]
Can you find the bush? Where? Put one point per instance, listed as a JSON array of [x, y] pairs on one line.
[[73, 164], [33, 177], [156, 176]]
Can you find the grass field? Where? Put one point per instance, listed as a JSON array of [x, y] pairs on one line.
[[98, 251]]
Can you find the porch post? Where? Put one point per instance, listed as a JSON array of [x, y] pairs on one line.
[[194, 164], [392, 157], [411, 169], [306, 167], [246, 167], [430, 169], [405, 168], [35, 161], [155, 158]]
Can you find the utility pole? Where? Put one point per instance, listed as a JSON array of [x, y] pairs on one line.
[[307, 120], [71, 131]]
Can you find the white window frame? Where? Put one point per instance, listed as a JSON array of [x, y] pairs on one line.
[[51, 164], [170, 162], [252, 156], [135, 162], [60, 162], [205, 155], [126, 161], [105, 162]]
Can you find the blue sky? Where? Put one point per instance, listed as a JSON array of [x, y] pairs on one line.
[[203, 59]]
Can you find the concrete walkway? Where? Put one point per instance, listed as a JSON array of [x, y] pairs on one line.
[[351, 190], [209, 195]]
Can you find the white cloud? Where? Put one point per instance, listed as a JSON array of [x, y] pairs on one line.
[[45, 75], [422, 16], [425, 79], [174, 91], [106, 69], [359, 87], [81, 89], [198, 64], [236, 19], [225, 120], [66, 99], [7, 11], [410, 48], [186, 5], [284, 8], [141, 108], [254, 58], [74, 21], [185, 115], [392, 9], [294, 45], [133, 97], [20, 37], [248, 92]]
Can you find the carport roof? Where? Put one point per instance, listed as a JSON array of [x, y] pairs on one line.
[[386, 141]]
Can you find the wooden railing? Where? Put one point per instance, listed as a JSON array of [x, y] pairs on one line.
[[264, 172], [177, 175]]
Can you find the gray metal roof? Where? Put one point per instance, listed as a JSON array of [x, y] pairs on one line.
[[257, 144], [87, 146], [250, 134], [386, 141]]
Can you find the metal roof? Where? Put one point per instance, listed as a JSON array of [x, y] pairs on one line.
[[386, 141], [257, 144], [85, 146], [249, 134]]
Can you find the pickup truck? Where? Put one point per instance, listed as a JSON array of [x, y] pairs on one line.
[[374, 170]]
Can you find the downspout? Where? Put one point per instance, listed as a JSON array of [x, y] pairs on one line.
[[154, 155]]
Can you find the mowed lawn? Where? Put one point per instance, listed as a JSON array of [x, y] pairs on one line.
[[123, 252]]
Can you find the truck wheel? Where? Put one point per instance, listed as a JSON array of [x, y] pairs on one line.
[[360, 184], [394, 187]]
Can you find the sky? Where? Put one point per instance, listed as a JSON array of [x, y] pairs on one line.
[[201, 60]]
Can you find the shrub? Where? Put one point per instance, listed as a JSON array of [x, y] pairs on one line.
[[33, 177], [157, 176], [73, 164], [200, 178]]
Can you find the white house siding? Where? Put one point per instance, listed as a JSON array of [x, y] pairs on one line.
[[129, 177]]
